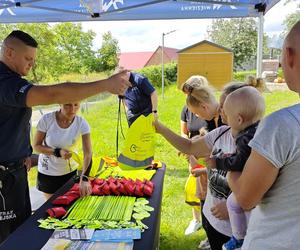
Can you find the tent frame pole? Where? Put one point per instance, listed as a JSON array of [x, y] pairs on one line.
[[162, 67], [7, 5], [260, 37]]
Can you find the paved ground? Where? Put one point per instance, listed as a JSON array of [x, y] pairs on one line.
[[276, 86], [36, 197]]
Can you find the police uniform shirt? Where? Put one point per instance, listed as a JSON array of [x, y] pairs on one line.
[[14, 116], [138, 97]]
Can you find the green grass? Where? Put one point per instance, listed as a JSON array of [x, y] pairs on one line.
[[175, 213]]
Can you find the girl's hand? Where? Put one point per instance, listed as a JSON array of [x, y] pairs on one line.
[[85, 187], [210, 162], [157, 125], [198, 171]]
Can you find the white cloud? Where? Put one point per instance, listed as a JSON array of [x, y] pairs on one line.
[[274, 18], [147, 35]]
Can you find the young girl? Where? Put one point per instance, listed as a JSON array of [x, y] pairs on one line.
[[190, 126]]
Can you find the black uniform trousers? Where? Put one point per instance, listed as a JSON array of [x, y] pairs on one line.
[[15, 206]]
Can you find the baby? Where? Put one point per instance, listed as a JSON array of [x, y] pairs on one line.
[[243, 109]]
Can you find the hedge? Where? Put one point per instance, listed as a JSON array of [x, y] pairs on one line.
[[241, 76], [153, 73]]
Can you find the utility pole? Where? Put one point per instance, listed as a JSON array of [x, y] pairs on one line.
[[162, 62]]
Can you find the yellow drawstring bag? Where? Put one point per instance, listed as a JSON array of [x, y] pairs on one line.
[[138, 151], [190, 192]]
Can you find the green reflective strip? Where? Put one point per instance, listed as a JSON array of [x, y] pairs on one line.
[[134, 163]]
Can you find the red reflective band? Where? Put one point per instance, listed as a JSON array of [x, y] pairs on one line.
[[198, 166]]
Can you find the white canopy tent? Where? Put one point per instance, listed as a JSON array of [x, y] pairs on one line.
[[35, 11]]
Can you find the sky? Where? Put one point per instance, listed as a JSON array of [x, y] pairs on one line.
[[136, 36]]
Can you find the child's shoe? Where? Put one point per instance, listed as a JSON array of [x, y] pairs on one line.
[[204, 245], [193, 227], [233, 244]]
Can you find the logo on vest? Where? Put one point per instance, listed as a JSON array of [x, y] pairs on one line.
[[133, 148]]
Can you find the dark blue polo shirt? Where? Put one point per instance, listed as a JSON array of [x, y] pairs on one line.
[[138, 97], [14, 116]]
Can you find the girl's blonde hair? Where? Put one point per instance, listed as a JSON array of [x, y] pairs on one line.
[[257, 83], [232, 86]]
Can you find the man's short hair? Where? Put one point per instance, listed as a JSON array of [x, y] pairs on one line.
[[24, 37]]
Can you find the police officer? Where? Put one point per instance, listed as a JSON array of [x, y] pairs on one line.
[[17, 96], [140, 99]]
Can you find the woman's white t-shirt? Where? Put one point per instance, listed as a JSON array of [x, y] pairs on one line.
[[227, 144], [57, 137]]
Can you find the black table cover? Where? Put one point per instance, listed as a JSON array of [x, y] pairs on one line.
[[30, 237]]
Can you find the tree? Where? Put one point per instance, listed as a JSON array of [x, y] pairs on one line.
[[238, 34], [63, 48], [74, 47], [5, 30], [290, 21], [44, 62], [108, 53]]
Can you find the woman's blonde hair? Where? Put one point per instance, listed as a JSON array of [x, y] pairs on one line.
[[200, 94], [194, 81]]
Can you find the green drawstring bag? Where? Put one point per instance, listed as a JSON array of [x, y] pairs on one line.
[[138, 151]]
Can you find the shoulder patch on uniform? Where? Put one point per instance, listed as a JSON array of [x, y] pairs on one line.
[[22, 90]]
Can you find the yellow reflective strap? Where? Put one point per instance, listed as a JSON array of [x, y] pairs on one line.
[[134, 174], [76, 160]]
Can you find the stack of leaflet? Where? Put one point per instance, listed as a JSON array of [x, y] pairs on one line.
[[76, 239]]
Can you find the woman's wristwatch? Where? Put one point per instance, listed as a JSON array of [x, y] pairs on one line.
[[56, 152], [154, 111]]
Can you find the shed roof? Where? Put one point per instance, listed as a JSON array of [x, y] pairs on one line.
[[203, 42]]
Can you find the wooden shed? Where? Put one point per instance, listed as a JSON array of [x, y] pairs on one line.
[[208, 59]]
